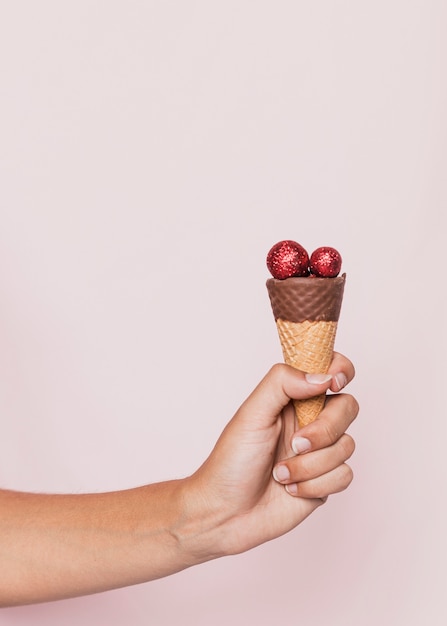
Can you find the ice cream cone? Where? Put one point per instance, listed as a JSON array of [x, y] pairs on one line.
[[306, 312]]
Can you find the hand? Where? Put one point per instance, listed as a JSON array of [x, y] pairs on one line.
[[254, 486]]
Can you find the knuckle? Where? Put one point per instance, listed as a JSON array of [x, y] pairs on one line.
[[277, 371], [330, 431], [308, 469], [347, 476], [345, 363], [347, 444], [352, 406]]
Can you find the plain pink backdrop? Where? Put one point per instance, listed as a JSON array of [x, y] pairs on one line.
[[150, 154]]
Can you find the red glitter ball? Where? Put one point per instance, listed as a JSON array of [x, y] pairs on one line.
[[286, 259], [325, 262]]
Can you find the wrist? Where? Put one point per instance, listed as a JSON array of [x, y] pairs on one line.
[[199, 530]]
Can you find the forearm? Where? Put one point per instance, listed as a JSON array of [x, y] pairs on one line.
[[57, 546]]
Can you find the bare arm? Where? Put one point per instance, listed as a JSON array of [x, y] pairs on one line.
[[55, 546], [58, 546]]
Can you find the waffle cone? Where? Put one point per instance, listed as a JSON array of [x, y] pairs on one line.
[[306, 312], [308, 346]]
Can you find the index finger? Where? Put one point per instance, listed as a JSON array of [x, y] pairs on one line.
[[342, 371], [338, 414]]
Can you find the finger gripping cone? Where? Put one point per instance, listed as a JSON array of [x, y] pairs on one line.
[[306, 312]]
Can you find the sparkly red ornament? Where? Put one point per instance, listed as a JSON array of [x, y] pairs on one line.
[[325, 262], [286, 259]]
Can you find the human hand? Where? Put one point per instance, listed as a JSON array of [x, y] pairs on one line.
[[254, 486]]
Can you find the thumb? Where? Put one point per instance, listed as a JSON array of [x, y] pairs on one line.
[[280, 385]]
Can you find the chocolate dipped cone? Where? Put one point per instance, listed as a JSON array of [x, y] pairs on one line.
[[306, 312]]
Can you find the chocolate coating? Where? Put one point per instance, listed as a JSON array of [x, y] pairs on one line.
[[310, 298]]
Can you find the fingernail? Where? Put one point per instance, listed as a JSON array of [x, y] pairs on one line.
[[281, 473], [318, 379], [300, 445], [340, 380], [292, 489]]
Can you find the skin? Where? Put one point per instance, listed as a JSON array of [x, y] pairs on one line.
[[60, 546]]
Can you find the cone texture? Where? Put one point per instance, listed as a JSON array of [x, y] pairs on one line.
[[306, 312], [308, 346]]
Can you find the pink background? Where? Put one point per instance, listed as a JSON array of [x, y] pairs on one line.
[[152, 149]]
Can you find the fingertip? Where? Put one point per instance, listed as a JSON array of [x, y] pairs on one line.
[[339, 381], [301, 445], [281, 473], [292, 489], [342, 370], [317, 379]]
